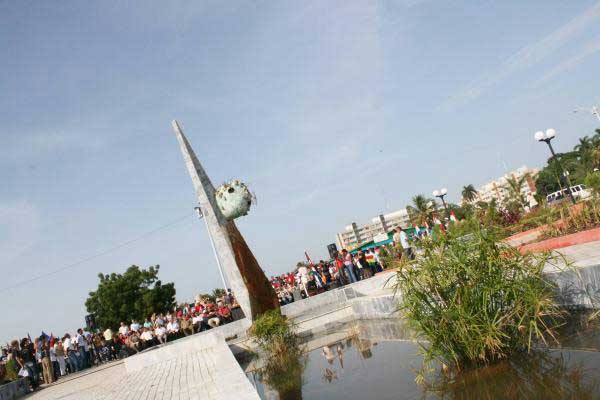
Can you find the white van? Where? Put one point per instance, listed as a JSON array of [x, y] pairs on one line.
[[579, 193]]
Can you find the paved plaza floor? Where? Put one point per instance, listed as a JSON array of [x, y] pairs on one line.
[[203, 374]]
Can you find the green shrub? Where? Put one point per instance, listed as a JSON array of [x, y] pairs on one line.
[[476, 301], [11, 371], [272, 327], [588, 217]]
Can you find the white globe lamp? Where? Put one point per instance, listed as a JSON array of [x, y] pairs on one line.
[[539, 136]]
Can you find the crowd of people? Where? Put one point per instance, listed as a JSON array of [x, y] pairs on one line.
[[47, 358], [309, 279]]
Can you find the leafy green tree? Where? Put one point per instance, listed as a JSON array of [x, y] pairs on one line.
[[136, 294], [463, 211], [582, 160], [218, 293], [208, 296], [592, 181], [469, 193]]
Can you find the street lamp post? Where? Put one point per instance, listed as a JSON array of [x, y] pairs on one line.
[[212, 244], [441, 194], [547, 137]]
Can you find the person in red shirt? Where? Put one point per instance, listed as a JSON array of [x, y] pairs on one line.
[[339, 269], [224, 313]]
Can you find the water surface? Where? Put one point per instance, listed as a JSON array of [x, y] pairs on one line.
[[375, 360]]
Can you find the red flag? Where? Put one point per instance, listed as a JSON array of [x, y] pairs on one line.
[[308, 258]]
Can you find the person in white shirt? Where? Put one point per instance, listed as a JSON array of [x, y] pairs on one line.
[[173, 326], [408, 251], [147, 336], [82, 344], [67, 344], [108, 335], [69, 347], [198, 322], [303, 273], [161, 334], [123, 329]]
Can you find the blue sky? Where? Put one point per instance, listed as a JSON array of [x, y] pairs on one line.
[[331, 111]]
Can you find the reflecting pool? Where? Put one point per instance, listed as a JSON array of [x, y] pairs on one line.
[[376, 360]]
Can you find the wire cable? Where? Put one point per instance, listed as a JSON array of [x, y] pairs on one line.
[[100, 254]]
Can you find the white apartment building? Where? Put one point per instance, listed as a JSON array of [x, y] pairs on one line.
[[354, 235], [498, 189]]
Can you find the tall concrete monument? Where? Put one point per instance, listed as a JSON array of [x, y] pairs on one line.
[[247, 280]]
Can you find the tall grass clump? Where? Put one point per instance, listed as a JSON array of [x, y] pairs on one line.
[[475, 301], [280, 345]]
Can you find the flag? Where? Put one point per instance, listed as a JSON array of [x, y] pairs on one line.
[[452, 216], [437, 221], [417, 230], [308, 258]]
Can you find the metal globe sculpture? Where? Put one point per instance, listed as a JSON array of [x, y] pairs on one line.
[[233, 199]]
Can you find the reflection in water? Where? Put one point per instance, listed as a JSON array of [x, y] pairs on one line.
[[332, 370], [372, 360], [538, 375], [284, 374]]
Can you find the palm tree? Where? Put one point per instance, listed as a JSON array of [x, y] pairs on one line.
[[585, 144], [515, 195], [469, 193], [421, 209]]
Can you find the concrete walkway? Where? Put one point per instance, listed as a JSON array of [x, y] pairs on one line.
[[201, 367]]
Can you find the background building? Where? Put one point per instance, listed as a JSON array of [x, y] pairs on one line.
[[355, 235], [498, 189]]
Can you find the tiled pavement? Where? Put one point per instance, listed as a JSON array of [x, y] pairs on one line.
[[210, 373]]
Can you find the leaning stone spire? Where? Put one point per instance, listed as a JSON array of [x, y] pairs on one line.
[[248, 282]]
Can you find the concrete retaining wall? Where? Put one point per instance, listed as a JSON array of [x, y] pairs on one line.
[[578, 288], [333, 299]]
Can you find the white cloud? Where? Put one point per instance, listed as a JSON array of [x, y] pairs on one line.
[[524, 58], [589, 49]]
